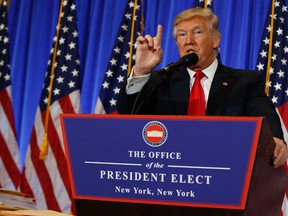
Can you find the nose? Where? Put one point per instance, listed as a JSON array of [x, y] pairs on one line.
[[190, 38]]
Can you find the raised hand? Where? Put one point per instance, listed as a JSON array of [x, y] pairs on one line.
[[149, 53]]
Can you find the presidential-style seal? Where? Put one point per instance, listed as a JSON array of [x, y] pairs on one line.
[[155, 133]]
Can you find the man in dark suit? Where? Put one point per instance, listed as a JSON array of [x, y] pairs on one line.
[[227, 91]]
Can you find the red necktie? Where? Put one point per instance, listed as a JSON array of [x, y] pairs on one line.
[[196, 104]]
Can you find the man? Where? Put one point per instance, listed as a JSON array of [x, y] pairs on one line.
[[227, 91]]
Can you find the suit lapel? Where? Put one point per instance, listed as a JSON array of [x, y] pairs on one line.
[[222, 84]]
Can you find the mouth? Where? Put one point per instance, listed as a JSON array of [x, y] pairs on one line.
[[190, 51]]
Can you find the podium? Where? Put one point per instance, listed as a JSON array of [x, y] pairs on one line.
[[168, 165]]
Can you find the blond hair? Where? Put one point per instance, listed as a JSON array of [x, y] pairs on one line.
[[197, 12]]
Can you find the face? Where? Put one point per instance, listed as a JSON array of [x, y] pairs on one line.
[[195, 35]]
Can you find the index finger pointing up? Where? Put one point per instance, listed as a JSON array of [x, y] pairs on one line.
[[158, 37], [159, 33]]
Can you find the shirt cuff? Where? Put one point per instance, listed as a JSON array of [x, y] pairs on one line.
[[135, 83]]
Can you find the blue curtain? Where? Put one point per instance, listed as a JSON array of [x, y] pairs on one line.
[[32, 28]]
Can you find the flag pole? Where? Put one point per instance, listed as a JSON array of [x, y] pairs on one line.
[[44, 146], [270, 49], [205, 3], [142, 18], [8, 3], [132, 37]]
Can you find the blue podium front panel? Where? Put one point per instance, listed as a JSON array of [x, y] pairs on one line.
[[189, 161]]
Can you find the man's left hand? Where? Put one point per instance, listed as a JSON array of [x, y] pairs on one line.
[[280, 152]]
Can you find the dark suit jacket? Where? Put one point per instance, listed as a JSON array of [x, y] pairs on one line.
[[233, 93]]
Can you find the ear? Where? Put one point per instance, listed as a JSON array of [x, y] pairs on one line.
[[216, 41]]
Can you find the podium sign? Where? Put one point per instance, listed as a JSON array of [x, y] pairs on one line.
[[184, 161]]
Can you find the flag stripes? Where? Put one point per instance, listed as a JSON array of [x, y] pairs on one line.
[[43, 173], [10, 172], [9, 155]]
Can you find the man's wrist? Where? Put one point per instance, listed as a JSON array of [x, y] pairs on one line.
[[141, 71]]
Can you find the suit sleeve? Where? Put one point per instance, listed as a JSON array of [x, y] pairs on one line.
[[144, 101], [126, 102], [259, 104]]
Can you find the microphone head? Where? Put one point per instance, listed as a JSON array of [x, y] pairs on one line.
[[186, 61], [190, 59]]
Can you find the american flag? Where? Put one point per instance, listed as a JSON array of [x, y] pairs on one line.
[[122, 58], [9, 155], [47, 178], [277, 77]]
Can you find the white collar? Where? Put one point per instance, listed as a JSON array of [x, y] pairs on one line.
[[209, 71]]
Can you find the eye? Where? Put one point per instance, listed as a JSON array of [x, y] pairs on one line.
[[197, 32], [181, 35]]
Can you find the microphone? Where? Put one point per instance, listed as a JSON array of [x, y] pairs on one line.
[[186, 61]]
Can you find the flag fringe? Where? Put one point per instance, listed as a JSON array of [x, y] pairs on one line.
[[44, 147]]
